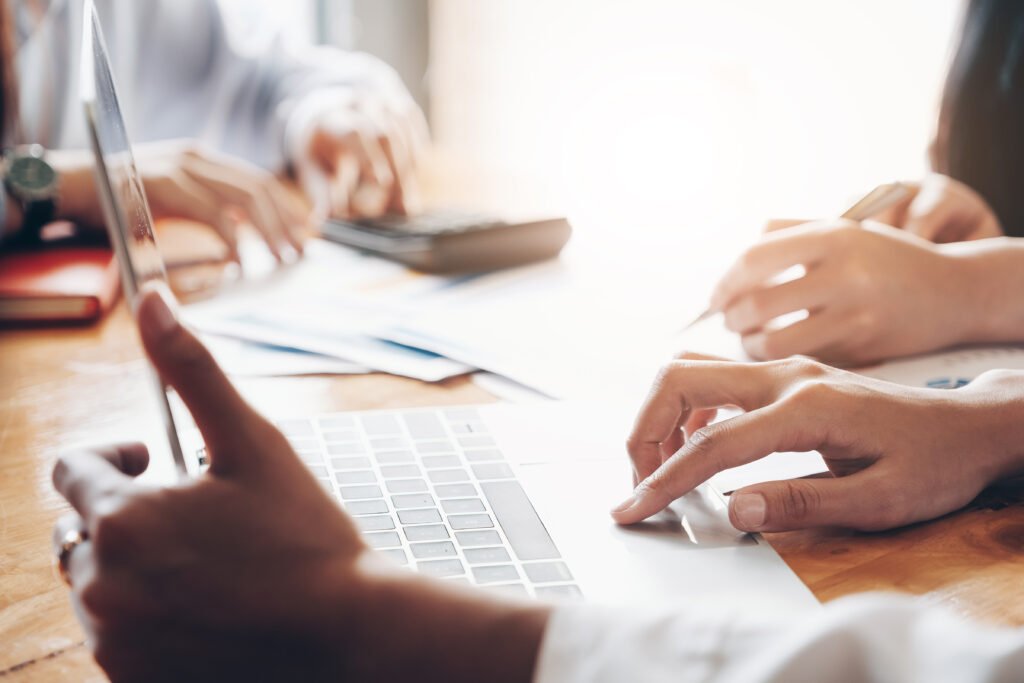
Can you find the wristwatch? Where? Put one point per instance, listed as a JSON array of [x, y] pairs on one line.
[[33, 184]]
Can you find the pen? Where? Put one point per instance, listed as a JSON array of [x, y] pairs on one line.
[[879, 199]]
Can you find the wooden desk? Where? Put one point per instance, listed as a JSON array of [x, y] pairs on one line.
[[61, 387]]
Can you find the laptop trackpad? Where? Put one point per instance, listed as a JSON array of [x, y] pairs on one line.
[[699, 518]]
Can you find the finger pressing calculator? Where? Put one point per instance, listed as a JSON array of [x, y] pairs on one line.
[[452, 241]]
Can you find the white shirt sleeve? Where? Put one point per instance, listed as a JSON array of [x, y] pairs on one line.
[[182, 74], [880, 638], [196, 78]]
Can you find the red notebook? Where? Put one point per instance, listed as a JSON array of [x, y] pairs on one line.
[[57, 283]]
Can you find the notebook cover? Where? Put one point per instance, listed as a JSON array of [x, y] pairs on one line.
[[55, 284]]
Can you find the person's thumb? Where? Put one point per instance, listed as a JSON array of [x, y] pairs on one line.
[[230, 427], [808, 503]]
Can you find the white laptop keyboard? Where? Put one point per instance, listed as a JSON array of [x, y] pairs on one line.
[[430, 490]]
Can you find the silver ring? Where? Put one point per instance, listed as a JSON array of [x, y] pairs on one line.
[[71, 540]]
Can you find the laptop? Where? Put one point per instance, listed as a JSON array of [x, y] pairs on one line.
[[511, 498]]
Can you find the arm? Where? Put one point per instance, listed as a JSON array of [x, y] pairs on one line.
[[278, 107], [870, 292], [251, 571], [863, 638]]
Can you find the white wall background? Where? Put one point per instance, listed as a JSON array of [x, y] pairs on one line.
[[687, 115], [672, 117]]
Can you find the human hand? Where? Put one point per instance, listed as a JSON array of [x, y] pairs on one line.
[[247, 553], [898, 454], [183, 180], [938, 208], [941, 209], [360, 159], [251, 571], [870, 292]]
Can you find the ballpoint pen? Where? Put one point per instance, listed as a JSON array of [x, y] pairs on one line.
[[879, 199]]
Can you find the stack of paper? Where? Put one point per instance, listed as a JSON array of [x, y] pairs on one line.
[[560, 329]]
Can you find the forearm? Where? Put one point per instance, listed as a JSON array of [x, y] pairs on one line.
[[402, 625], [861, 638], [993, 275]]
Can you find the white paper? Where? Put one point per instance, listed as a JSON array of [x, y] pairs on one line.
[[241, 358]]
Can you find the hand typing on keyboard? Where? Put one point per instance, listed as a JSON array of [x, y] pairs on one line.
[[252, 571]]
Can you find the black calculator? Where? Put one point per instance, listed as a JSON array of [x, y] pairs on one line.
[[449, 241]]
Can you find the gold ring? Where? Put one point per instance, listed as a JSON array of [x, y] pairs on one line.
[[72, 539]]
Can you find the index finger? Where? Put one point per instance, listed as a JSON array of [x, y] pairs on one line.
[[777, 251], [736, 441], [84, 477], [686, 386]]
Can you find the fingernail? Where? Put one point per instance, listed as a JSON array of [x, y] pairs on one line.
[[750, 510], [162, 315], [625, 505]]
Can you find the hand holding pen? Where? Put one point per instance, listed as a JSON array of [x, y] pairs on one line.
[[869, 291]]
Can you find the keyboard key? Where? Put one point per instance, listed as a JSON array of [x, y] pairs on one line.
[[494, 470], [341, 437], [441, 568], [568, 591], [471, 539], [438, 461], [365, 507], [388, 444], [462, 505], [350, 463], [426, 532], [381, 423], [475, 441], [424, 425], [405, 485], [355, 477], [326, 483], [430, 551], [337, 422], [484, 455], [296, 428], [413, 500], [487, 555], [319, 471], [455, 491], [395, 457], [435, 447], [459, 522], [375, 523], [461, 428], [400, 471], [385, 539], [429, 516], [350, 448], [360, 492], [547, 572], [448, 476], [497, 574], [395, 554], [523, 528]]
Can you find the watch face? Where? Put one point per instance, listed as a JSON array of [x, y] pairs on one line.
[[31, 175]]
